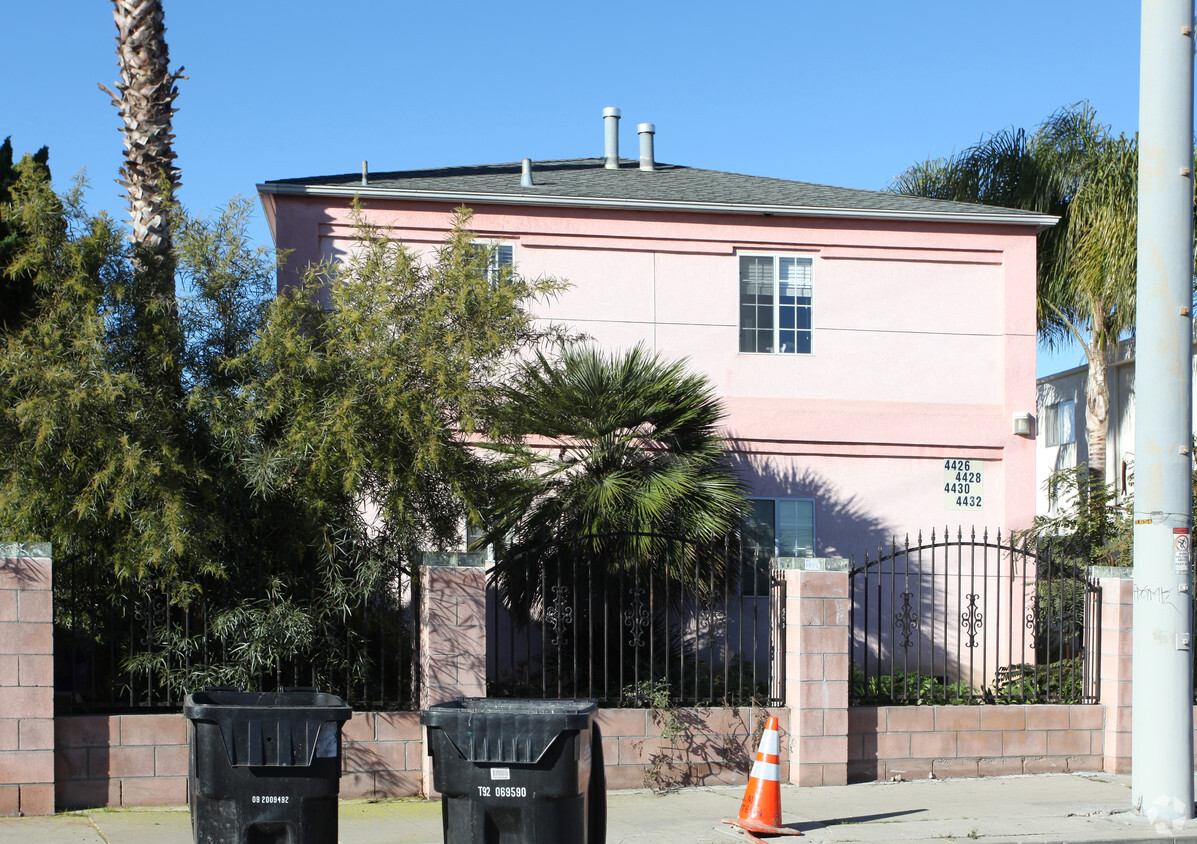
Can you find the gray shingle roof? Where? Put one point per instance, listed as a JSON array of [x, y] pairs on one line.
[[586, 182]]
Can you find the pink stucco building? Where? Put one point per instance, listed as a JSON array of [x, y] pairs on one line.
[[875, 352]]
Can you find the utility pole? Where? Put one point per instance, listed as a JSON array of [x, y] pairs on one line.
[[1162, 700]]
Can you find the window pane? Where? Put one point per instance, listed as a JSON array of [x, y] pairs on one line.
[[794, 276], [1051, 425], [1059, 423], [764, 318], [796, 528], [794, 288], [760, 541], [756, 279], [747, 316], [1066, 419]]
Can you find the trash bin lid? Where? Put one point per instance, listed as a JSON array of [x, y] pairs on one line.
[[504, 730], [271, 729]]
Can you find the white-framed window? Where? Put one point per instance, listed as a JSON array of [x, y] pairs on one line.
[[777, 527], [473, 537], [501, 255], [1059, 423], [776, 302]]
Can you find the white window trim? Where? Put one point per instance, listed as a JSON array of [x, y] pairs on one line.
[[814, 273]]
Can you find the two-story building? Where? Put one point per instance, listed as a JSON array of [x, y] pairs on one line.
[[875, 352]]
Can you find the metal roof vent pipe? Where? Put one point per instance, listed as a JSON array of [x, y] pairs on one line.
[[526, 174], [611, 133], [646, 130]]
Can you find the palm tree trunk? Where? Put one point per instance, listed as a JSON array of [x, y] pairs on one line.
[[146, 99], [146, 104], [1097, 411]]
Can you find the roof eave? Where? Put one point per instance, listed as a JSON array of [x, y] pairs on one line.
[[1040, 221]]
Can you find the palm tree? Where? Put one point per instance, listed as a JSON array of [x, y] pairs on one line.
[[1073, 167], [146, 104], [621, 449]]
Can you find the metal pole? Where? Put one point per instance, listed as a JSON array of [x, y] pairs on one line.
[[1162, 699]]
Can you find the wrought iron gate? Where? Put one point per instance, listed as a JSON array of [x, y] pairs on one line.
[[968, 619]]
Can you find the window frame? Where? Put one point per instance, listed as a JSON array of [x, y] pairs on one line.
[[1051, 424], [496, 262], [752, 567], [809, 260]]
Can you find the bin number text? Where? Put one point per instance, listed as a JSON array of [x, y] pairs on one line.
[[502, 791], [270, 798]]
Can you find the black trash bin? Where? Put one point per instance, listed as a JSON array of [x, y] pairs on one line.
[[265, 766], [518, 771]]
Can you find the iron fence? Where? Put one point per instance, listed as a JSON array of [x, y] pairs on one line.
[[970, 620], [633, 629], [127, 647]]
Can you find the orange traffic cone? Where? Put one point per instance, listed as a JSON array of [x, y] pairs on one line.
[[760, 810]]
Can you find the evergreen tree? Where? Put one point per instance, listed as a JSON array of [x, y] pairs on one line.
[[249, 485], [16, 292]]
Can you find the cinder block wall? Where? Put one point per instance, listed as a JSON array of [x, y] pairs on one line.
[[914, 742], [129, 760], [382, 755], [120, 760], [703, 746], [26, 681]]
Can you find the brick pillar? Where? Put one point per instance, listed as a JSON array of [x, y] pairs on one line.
[[816, 644], [1115, 666], [26, 681], [452, 639]]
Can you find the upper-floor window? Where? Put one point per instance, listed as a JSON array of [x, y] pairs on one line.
[[501, 255], [776, 294], [777, 527], [1059, 423]]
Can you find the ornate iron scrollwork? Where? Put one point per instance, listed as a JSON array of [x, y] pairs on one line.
[[560, 616], [1033, 622], [906, 620], [711, 618], [972, 620], [637, 619], [151, 614]]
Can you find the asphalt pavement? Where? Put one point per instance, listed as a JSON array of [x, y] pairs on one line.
[[1073, 808]]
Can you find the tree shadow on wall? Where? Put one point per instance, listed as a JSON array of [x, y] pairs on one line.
[[844, 526], [692, 750]]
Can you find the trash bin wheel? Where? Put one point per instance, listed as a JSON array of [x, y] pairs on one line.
[[596, 820]]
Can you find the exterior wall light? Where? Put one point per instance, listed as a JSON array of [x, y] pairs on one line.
[[1024, 425]]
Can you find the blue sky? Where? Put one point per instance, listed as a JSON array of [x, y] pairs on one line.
[[847, 93]]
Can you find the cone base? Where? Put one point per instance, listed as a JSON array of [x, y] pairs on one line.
[[756, 826]]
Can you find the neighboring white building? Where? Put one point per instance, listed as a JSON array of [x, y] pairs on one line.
[[1062, 436]]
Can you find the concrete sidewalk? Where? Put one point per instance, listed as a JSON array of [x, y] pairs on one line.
[[1046, 808]]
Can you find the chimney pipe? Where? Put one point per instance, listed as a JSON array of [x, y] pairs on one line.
[[365, 180], [646, 130], [526, 174], [611, 132]]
